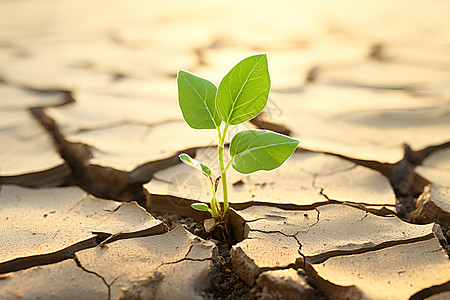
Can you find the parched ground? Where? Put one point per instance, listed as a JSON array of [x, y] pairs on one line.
[[94, 203]]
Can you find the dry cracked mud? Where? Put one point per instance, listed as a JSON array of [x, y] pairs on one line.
[[94, 203]]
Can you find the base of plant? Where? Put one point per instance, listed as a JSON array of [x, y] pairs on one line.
[[223, 230], [229, 227]]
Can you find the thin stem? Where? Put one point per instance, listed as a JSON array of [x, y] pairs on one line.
[[213, 203], [223, 170], [228, 165]]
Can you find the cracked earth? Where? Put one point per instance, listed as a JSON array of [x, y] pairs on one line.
[[94, 203]]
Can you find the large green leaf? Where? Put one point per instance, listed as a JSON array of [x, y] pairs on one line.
[[257, 150], [243, 92], [195, 164], [196, 97]]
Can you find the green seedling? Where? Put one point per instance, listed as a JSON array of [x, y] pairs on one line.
[[241, 95]]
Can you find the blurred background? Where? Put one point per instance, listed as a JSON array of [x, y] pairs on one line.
[[151, 40]]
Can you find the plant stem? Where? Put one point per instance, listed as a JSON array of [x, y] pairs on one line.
[[213, 203], [223, 170], [228, 164]]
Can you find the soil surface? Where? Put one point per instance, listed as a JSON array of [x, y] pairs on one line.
[[225, 284], [95, 203]]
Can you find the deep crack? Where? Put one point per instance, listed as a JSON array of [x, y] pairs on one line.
[[322, 257], [26, 262]]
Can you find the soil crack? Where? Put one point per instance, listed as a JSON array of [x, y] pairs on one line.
[[317, 218], [22, 263], [323, 194], [78, 203], [185, 258], [321, 258], [363, 217], [430, 291], [108, 286]]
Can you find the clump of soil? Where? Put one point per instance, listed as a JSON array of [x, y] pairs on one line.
[[172, 220], [265, 294], [225, 284]]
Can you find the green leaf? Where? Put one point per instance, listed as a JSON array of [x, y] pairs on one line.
[[243, 92], [195, 163], [196, 97], [256, 150], [200, 206]]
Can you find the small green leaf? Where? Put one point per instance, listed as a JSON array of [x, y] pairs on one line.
[[195, 163], [243, 92], [200, 206], [256, 150], [196, 97]]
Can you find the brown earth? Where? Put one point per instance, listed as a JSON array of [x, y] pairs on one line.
[[95, 204]]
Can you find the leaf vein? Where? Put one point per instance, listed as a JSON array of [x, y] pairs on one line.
[[240, 90], [265, 146], [204, 100]]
